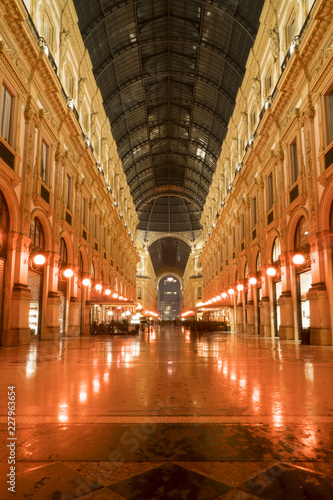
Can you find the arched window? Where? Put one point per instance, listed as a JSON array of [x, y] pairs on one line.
[[276, 250], [301, 234], [331, 217], [92, 270], [258, 262], [37, 234], [245, 270], [4, 225], [80, 262], [63, 251]]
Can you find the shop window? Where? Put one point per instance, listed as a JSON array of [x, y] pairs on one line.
[[293, 163], [6, 115], [4, 226], [45, 163], [276, 250], [37, 234]]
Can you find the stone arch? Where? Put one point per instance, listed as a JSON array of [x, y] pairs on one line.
[[272, 235], [47, 228], [255, 251], [243, 262], [84, 256], [295, 216], [65, 234], [325, 206], [170, 273], [234, 273], [12, 204], [94, 261]]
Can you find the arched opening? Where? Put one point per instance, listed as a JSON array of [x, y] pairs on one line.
[[303, 275], [4, 228], [169, 298], [277, 286], [62, 287], [258, 293], [36, 278]]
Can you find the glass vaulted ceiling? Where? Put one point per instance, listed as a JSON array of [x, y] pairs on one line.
[[169, 72]]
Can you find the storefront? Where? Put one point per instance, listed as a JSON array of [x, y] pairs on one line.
[[4, 226], [36, 278]]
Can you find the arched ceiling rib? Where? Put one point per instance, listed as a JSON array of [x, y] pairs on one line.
[[169, 72]]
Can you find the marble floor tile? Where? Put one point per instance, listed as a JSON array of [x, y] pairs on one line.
[[289, 482], [170, 481], [217, 409], [53, 481]]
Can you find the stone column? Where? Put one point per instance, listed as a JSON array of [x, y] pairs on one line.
[[73, 329], [17, 296], [50, 319], [320, 314], [287, 330], [265, 309]]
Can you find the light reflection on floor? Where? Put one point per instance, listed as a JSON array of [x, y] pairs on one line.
[[219, 374]]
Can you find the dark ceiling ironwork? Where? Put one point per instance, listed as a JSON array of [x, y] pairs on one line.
[[169, 253], [169, 72]]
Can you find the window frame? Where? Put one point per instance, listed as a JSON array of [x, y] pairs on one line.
[[254, 211], [47, 170], [69, 192], [292, 164], [270, 191], [5, 90]]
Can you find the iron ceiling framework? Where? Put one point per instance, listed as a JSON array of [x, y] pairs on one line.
[[169, 72]]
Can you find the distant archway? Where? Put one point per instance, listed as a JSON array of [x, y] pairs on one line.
[[169, 297]]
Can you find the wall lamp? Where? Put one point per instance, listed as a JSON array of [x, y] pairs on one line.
[[271, 271], [268, 102], [43, 45], [240, 287], [231, 291], [68, 273], [36, 258], [86, 282], [253, 280], [87, 140], [70, 103], [294, 44], [98, 287]]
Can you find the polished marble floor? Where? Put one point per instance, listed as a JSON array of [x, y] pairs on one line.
[[168, 415]]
